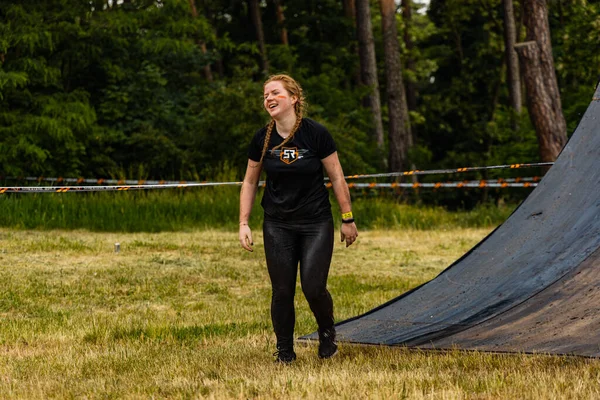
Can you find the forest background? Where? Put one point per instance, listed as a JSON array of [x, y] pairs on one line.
[[154, 89]]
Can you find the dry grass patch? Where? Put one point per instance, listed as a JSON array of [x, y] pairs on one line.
[[186, 315]]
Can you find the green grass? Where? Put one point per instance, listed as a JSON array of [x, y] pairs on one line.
[[203, 208], [186, 315]]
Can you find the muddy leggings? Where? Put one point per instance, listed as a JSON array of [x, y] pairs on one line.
[[286, 245]]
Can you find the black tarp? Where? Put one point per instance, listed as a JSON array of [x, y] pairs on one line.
[[530, 286]]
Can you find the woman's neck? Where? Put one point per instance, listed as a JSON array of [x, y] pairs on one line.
[[285, 124]]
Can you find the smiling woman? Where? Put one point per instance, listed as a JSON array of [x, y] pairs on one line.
[[286, 105], [298, 224]]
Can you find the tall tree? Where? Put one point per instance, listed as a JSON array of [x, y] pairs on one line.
[[512, 60], [201, 43], [411, 88], [543, 96], [281, 22], [349, 8], [260, 34], [368, 67], [411, 68], [399, 126]]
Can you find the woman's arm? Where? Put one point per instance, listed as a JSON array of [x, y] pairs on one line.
[[342, 194], [247, 196]]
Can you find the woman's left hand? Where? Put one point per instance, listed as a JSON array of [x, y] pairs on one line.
[[349, 233]]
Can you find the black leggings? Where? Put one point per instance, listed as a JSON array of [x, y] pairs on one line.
[[286, 244]]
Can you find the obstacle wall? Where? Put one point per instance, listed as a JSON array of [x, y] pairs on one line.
[[530, 286]]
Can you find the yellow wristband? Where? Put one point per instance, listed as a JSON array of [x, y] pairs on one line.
[[347, 215]]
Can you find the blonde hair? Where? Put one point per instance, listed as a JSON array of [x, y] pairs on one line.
[[294, 89]]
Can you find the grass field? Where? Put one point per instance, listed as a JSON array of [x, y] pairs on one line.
[[208, 208], [186, 315]]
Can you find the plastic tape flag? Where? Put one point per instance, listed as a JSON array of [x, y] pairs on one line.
[[499, 183], [121, 182]]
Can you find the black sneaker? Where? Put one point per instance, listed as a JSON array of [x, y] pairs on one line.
[[327, 346], [285, 355]]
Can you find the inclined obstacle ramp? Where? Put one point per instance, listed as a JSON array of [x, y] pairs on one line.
[[532, 285]]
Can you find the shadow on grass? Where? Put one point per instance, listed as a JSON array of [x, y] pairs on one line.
[[175, 333]]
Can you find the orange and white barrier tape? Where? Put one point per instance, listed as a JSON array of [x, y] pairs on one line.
[[451, 170], [102, 181], [492, 183], [125, 185], [499, 183], [98, 181], [105, 188]]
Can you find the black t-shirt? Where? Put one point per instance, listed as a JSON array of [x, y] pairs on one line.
[[295, 190]]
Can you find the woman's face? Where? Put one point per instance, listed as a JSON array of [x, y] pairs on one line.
[[277, 100]]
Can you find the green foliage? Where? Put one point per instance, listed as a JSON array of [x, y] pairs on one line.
[[219, 136], [461, 99], [43, 129], [575, 27], [118, 89]]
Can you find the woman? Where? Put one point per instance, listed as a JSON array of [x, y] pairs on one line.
[[298, 224]]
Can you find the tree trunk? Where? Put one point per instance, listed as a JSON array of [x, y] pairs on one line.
[[281, 22], [399, 126], [209, 14], [551, 133], [512, 60], [543, 96], [368, 67], [207, 71], [411, 88], [349, 9], [260, 35]]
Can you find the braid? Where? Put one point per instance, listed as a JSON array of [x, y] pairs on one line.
[[291, 135], [267, 139]]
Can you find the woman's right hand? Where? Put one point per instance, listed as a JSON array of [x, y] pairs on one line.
[[246, 237]]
